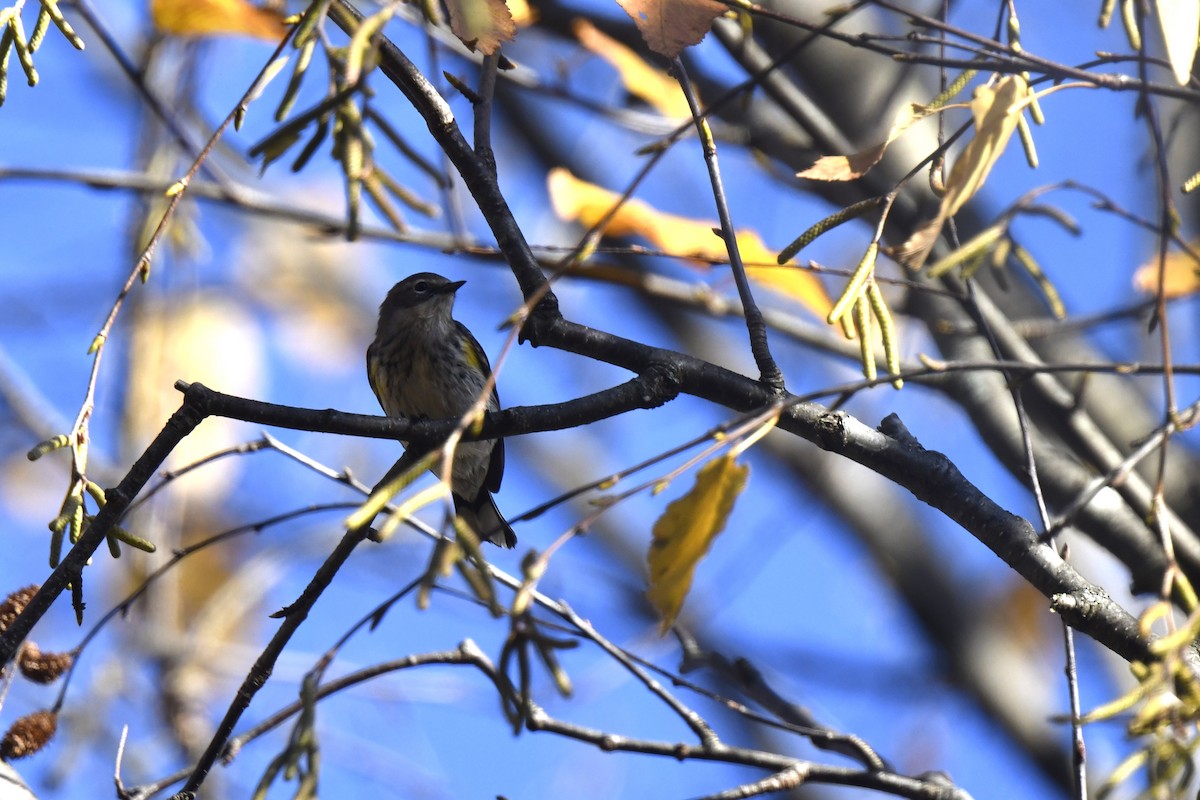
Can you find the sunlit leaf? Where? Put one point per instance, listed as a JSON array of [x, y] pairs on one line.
[[1181, 277], [640, 79], [588, 204], [204, 337], [996, 109], [684, 533], [668, 26], [216, 18], [1180, 20], [523, 14], [482, 25]]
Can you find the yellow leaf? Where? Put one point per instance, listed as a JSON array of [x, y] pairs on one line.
[[801, 286], [668, 26], [852, 167], [684, 533], [587, 203], [1182, 275], [640, 79], [215, 18], [1180, 20], [482, 25], [996, 109], [522, 13]]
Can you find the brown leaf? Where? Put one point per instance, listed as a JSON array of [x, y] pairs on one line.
[[216, 18], [852, 167], [996, 109], [844, 168], [916, 249], [684, 533], [482, 25], [668, 26]]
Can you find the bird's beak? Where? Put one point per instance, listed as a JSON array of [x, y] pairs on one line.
[[451, 288]]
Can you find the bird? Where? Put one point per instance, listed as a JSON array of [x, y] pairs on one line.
[[423, 363]]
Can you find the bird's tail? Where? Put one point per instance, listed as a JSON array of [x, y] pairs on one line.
[[485, 518]]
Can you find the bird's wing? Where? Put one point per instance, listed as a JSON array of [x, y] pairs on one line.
[[495, 472], [371, 379]]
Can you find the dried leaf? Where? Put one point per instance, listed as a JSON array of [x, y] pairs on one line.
[[916, 249], [668, 26], [1180, 20], [996, 109], [852, 167], [215, 18], [1182, 275], [844, 168], [587, 203], [640, 79], [684, 533], [482, 25]]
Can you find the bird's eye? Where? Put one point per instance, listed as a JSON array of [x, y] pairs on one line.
[[420, 287]]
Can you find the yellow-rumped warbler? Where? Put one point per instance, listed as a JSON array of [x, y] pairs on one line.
[[424, 363]]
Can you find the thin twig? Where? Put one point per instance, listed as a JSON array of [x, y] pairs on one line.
[[707, 736], [1078, 748], [768, 370]]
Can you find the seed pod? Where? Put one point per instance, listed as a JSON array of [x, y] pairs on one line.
[[28, 735]]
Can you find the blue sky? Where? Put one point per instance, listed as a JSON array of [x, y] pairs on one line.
[[288, 317]]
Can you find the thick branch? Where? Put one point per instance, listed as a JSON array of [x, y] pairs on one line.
[[930, 476], [890, 451], [658, 384]]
